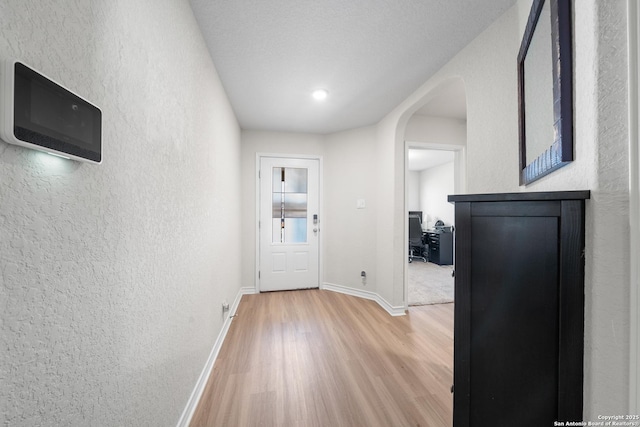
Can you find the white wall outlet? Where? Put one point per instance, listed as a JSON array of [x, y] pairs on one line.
[[225, 306], [360, 204]]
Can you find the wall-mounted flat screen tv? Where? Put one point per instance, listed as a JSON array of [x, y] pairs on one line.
[[41, 114]]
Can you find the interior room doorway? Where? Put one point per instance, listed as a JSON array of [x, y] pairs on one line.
[[430, 178]]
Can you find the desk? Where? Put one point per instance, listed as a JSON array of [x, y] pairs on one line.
[[440, 247]]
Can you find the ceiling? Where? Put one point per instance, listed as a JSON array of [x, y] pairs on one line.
[[369, 54]]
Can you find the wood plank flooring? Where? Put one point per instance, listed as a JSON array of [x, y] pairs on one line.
[[320, 358]]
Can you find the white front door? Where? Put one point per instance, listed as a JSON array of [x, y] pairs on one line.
[[289, 225]]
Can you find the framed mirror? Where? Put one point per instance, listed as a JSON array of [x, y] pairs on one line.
[[545, 90]]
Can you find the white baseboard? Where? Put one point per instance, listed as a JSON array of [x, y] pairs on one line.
[[196, 394], [249, 290], [392, 310]]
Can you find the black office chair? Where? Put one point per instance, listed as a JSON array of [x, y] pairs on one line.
[[416, 241]]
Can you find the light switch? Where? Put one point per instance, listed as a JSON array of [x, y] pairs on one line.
[[360, 204]]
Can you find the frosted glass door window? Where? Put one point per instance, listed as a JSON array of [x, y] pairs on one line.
[[289, 213]]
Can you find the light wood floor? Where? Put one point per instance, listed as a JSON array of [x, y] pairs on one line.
[[320, 358]]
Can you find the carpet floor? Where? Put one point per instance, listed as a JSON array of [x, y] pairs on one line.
[[430, 283]]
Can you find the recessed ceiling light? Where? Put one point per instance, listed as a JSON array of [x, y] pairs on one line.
[[320, 94]]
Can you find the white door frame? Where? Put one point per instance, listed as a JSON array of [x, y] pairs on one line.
[[633, 18], [321, 226], [459, 187]]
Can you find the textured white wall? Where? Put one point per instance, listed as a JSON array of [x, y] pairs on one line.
[[112, 276], [436, 130], [436, 184], [488, 68], [349, 233], [413, 191]]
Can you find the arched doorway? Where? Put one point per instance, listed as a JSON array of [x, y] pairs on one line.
[[435, 149]]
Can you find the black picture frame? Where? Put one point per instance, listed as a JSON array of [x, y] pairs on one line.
[[560, 151]]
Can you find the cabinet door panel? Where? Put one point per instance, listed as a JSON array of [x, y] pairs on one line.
[[514, 310]]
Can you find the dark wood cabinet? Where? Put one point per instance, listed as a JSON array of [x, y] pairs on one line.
[[440, 247], [519, 308]]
